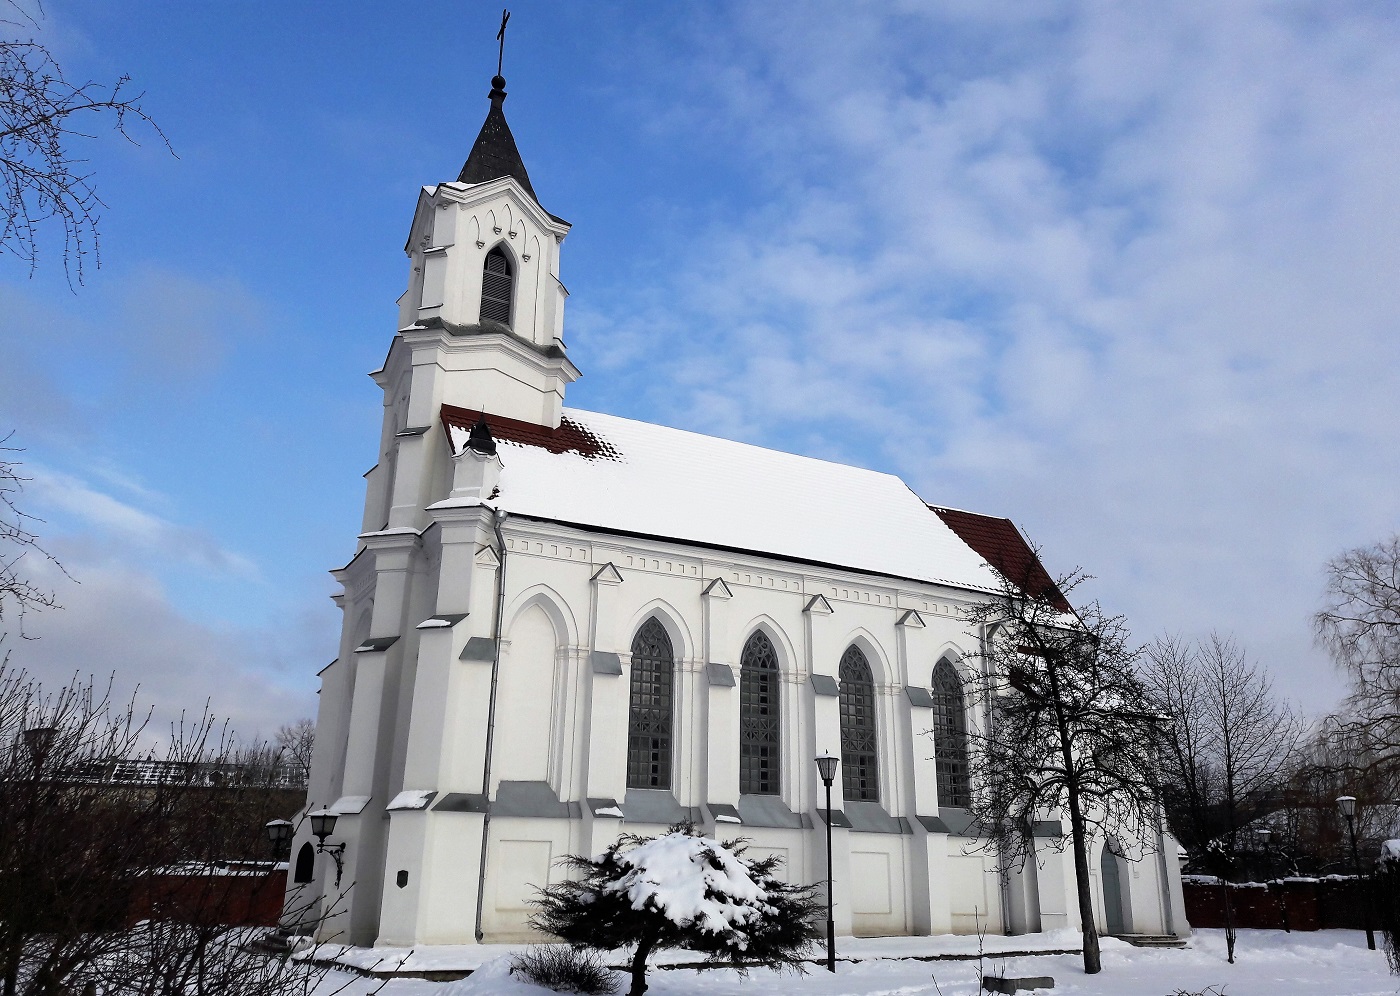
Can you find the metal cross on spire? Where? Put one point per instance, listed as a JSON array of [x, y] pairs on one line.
[[501, 37]]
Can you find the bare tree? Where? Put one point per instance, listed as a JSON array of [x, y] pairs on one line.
[[1232, 743], [66, 841], [296, 742], [194, 933], [1313, 830], [1190, 788], [1359, 625], [1072, 730], [42, 116], [132, 869], [1253, 734]]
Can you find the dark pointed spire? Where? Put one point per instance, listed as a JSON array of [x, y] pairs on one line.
[[480, 439], [494, 155]]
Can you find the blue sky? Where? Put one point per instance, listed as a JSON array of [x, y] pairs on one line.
[[1125, 274]]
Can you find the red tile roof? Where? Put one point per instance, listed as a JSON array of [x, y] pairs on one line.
[[1001, 544], [570, 437]]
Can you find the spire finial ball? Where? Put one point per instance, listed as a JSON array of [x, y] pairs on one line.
[[498, 82]]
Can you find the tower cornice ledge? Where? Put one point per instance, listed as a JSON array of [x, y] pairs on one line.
[[399, 538], [485, 336], [458, 509], [469, 194]]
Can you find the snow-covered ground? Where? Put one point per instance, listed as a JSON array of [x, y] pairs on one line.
[[1267, 963], [460, 957]]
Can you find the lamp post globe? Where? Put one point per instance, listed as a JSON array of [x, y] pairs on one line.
[[279, 832], [323, 824], [1265, 835]]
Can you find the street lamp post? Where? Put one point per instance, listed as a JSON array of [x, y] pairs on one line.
[[1265, 836], [322, 826], [1264, 833], [1347, 805], [827, 764], [279, 835]]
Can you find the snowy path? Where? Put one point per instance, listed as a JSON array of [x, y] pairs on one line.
[[1267, 963]]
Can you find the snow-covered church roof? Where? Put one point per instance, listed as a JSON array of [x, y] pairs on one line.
[[622, 476]]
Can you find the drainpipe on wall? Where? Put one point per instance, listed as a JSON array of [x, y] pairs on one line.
[[497, 517], [1003, 868], [1169, 927]]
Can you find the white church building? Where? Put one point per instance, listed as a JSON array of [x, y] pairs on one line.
[[560, 626]]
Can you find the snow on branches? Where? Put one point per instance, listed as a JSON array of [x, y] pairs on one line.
[[693, 882], [680, 890]]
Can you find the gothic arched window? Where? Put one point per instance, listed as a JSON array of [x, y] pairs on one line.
[[758, 717], [497, 282], [649, 709], [306, 864], [950, 736], [860, 770]]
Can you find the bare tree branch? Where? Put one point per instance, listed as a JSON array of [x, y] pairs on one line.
[[44, 182], [297, 741], [18, 594], [1359, 625]]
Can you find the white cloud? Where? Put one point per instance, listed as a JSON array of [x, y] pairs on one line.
[[1125, 274], [118, 619], [119, 623], [132, 528]]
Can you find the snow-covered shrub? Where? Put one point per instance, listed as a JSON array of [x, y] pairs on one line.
[[681, 890], [565, 970]]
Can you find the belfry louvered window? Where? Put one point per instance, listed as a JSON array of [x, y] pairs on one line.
[[758, 717], [649, 711], [497, 282], [950, 736], [860, 766]]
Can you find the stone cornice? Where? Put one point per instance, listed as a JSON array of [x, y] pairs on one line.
[[466, 339]]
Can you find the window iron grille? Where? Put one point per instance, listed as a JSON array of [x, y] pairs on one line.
[[759, 731], [649, 716], [860, 770], [950, 736]]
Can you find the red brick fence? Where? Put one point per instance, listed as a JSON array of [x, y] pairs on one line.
[[1300, 903], [238, 894]]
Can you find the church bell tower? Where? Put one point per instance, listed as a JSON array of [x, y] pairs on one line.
[[402, 717], [484, 306]]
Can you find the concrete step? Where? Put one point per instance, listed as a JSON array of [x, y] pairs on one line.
[[279, 941], [1152, 940]]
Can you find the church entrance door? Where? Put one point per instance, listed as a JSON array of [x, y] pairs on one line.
[[1112, 875]]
